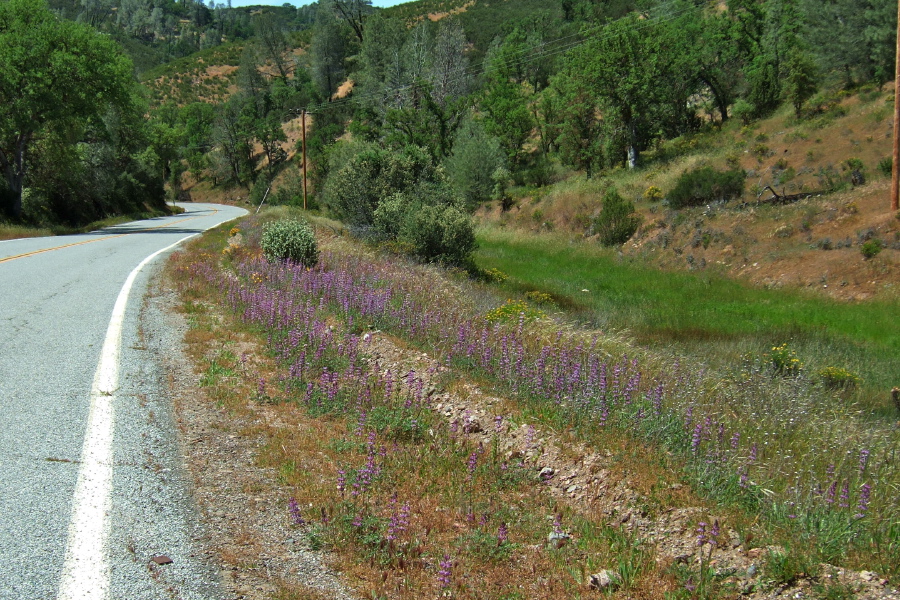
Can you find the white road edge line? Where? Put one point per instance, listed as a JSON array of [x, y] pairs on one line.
[[85, 574]]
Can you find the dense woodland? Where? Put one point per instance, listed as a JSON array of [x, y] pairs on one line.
[[441, 115]]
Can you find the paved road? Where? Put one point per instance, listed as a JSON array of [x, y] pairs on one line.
[[89, 483]]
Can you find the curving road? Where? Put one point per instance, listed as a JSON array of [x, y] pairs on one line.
[[89, 485]]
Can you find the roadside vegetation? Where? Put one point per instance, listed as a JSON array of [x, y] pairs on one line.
[[410, 495]]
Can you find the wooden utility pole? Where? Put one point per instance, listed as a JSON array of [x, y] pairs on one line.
[[303, 137], [895, 173]]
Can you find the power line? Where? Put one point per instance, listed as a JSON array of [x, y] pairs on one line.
[[529, 56]]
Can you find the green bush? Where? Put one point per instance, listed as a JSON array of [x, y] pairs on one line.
[[354, 189], [438, 232], [291, 240], [705, 185], [743, 111], [616, 222], [871, 248], [886, 166]]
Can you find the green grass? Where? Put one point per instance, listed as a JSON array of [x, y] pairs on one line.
[[717, 318]]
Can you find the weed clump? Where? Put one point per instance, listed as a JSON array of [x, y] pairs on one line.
[[838, 378], [292, 240], [785, 361], [513, 311], [706, 185]]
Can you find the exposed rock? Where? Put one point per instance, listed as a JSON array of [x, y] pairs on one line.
[[605, 580]]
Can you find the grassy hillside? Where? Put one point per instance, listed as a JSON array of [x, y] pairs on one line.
[[206, 76], [815, 243]]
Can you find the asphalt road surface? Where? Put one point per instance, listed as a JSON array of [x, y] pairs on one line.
[[90, 486]]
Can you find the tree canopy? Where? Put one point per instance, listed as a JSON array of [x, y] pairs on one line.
[[57, 79]]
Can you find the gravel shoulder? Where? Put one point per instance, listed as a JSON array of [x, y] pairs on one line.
[[245, 524]]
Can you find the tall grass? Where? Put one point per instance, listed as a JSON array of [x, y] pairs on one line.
[[761, 437], [703, 314]]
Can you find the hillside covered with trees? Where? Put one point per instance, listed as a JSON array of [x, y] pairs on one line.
[[426, 110]]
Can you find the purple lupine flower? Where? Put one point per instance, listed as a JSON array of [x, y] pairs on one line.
[[358, 519], [735, 440], [752, 457], [498, 423], [702, 538], [863, 505], [261, 388], [341, 481], [294, 509], [695, 439], [446, 573], [472, 463], [714, 533], [745, 479], [832, 492], [502, 534], [557, 523], [403, 519], [845, 495], [863, 460]]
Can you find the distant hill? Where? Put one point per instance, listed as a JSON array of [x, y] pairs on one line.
[[482, 20]]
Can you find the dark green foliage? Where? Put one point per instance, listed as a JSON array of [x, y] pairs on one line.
[[440, 234], [706, 185], [801, 82], [432, 231], [355, 188], [73, 142], [290, 240], [871, 248], [473, 162], [617, 221]]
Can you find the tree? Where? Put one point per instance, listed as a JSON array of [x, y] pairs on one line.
[[624, 68], [355, 13], [617, 221], [475, 158], [272, 43], [801, 81], [328, 51], [53, 75]]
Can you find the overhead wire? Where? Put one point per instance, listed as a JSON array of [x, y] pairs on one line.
[[528, 56]]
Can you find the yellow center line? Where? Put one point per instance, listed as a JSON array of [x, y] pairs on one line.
[[102, 239]]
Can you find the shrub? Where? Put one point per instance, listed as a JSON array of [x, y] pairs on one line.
[[743, 110], [886, 166], [616, 222], [705, 185], [540, 298], [440, 233], [653, 194], [494, 276], [871, 248], [838, 378], [354, 190], [291, 240], [512, 311], [785, 361]]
